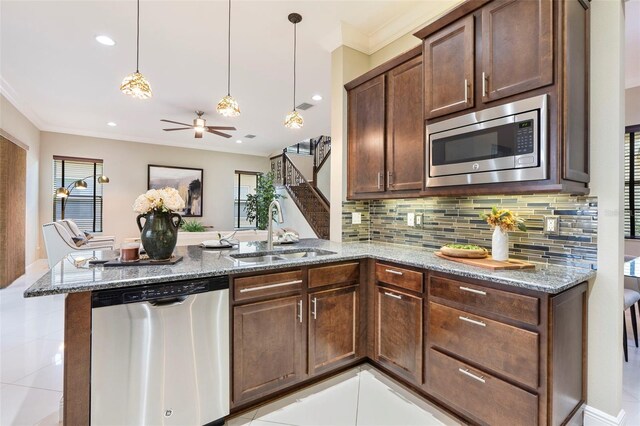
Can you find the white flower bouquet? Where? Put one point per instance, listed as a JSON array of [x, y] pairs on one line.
[[160, 200]]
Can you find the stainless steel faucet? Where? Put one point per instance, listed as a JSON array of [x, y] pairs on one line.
[[276, 204]]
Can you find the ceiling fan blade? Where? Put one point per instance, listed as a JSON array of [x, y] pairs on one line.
[[176, 122], [198, 135], [221, 128], [178, 128], [224, 135]]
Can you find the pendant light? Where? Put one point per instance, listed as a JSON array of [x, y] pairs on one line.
[[228, 106], [294, 119], [135, 84]]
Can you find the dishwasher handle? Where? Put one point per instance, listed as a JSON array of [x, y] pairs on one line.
[[169, 301]]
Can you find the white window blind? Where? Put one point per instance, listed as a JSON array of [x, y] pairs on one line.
[[83, 206], [632, 182]]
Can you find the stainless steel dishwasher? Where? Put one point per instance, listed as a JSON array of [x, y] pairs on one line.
[[160, 354]]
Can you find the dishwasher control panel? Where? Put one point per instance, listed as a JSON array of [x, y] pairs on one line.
[[158, 291]]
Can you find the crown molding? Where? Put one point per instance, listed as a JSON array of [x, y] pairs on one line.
[[11, 95]]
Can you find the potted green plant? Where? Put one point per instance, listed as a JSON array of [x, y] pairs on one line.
[[257, 206]]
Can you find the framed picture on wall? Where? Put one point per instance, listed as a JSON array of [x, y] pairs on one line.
[[187, 181]]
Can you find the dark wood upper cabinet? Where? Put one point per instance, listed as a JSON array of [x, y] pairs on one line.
[[405, 127], [367, 137], [398, 332], [333, 328], [268, 347], [448, 69], [517, 47]]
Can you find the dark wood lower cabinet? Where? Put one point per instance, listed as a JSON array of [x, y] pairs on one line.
[[268, 347], [481, 396], [490, 353], [398, 332], [333, 328]]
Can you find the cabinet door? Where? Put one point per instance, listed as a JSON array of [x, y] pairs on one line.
[[333, 328], [405, 127], [268, 347], [398, 333], [517, 47], [448, 69], [366, 137]]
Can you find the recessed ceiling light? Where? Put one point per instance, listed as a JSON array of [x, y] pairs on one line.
[[238, 141], [111, 124], [316, 97], [106, 40]]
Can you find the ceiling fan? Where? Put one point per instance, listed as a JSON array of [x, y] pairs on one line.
[[199, 125]]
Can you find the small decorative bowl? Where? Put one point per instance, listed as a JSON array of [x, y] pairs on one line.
[[478, 253]]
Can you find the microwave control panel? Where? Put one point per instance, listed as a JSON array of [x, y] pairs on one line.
[[524, 137]]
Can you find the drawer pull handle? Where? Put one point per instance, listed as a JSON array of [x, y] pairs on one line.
[[466, 371], [473, 290], [314, 312], [264, 287], [391, 271], [467, 319], [395, 296], [466, 90]]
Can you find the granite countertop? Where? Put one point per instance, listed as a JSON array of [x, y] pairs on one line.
[[73, 275]]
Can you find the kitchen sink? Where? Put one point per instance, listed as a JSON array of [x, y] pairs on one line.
[[279, 255]]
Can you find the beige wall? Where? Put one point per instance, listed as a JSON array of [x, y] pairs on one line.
[[304, 163], [19, 127], [346, 64], [125, 163], [632, 106], [607, 123]]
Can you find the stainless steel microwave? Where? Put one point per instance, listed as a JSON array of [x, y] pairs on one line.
[[507, 143]]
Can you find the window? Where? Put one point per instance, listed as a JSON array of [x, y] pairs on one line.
[[83, 206], [302, 148], [245, 183], [631, 181]]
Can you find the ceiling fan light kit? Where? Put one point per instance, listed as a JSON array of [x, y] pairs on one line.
[[228, 107], [135, 84], [200, 126], [294, 120]]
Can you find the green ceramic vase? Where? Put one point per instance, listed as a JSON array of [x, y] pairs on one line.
[[159, 234]]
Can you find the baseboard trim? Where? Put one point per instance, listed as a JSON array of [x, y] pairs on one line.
[[595, 417]]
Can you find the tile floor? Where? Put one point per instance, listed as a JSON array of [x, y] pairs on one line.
[[31, 351]]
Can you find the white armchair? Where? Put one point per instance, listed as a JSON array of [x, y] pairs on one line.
[[58, 242], [74, 230]]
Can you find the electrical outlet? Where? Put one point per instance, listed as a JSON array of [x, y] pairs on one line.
[[551, 225], [411, 219], [356, 218], [419, 220]]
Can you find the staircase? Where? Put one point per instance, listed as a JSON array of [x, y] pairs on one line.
[[313, 205]]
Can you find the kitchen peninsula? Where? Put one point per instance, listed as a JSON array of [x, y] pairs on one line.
[[509, 338]]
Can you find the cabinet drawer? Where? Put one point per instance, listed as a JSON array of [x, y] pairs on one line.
[[260, 286], [506, 304], [334, 274], [484, 397], [500, 347], [400, 277]]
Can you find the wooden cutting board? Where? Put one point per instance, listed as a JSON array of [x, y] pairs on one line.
[[489, 263]]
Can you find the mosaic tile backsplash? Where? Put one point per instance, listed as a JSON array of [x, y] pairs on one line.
[[456, 220]]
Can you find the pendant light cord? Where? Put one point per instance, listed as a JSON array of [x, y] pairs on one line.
[[229, 54], [294, 64], [138, 39]]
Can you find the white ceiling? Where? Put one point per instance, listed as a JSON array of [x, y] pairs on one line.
[[54, 71], [632, 43]]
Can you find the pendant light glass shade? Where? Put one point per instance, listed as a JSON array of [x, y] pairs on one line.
[[135, 84], [294, 120], [228, 107]]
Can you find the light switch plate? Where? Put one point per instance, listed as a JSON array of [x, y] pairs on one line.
[[419, 220], [551, 225], [411, 219], [356, 218]]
